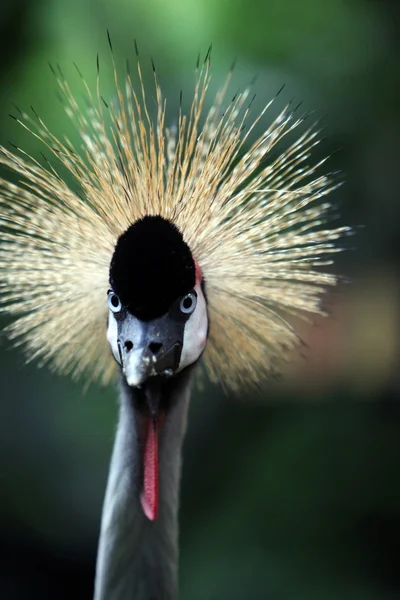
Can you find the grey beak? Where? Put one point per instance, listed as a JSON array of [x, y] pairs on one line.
[[149, 348]]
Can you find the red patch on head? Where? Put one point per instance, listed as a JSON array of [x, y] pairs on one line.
[[199, 275]]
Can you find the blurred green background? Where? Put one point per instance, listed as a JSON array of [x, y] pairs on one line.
[[294, 497]]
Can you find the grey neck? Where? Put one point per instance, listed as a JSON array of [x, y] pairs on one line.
[[138, 559]]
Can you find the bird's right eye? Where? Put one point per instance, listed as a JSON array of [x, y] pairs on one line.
[[114, 302]]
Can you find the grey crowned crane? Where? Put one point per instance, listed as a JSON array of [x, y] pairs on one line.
[[173, 247]]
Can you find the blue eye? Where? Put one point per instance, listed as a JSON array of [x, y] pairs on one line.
[[188, 303], [114, 302]]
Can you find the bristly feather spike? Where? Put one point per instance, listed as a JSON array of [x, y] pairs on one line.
[[280, 90], [78, 70], [52, 68], [255, 225], [19, 111], [60, 72], [208, 55], [233, 65], [109, 40]]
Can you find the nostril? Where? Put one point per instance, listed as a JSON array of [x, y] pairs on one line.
[[128, 345], [155, 347]]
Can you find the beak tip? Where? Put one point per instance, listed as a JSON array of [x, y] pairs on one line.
[[132, 379], [135, 375]]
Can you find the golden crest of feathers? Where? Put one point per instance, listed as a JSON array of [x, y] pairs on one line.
[[255, 226]]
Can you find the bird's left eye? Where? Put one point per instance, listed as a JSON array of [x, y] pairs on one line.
[[188, 303], [114, 302]]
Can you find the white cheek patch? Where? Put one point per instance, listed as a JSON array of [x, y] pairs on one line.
[[195, 334], [112, 336]]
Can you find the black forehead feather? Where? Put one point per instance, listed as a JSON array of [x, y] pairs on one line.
[[151, 267]]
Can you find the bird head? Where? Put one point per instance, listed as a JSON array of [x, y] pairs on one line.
[[157, 321]]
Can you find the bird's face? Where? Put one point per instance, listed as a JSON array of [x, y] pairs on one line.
[[157, 322], [157, 327], [161, 346]]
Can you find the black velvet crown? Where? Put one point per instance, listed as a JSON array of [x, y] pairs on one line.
[[151, 267]]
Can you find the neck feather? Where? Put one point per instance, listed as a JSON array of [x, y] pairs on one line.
[[138, 559]]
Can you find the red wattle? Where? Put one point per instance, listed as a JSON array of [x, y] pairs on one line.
[[149, 497]]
